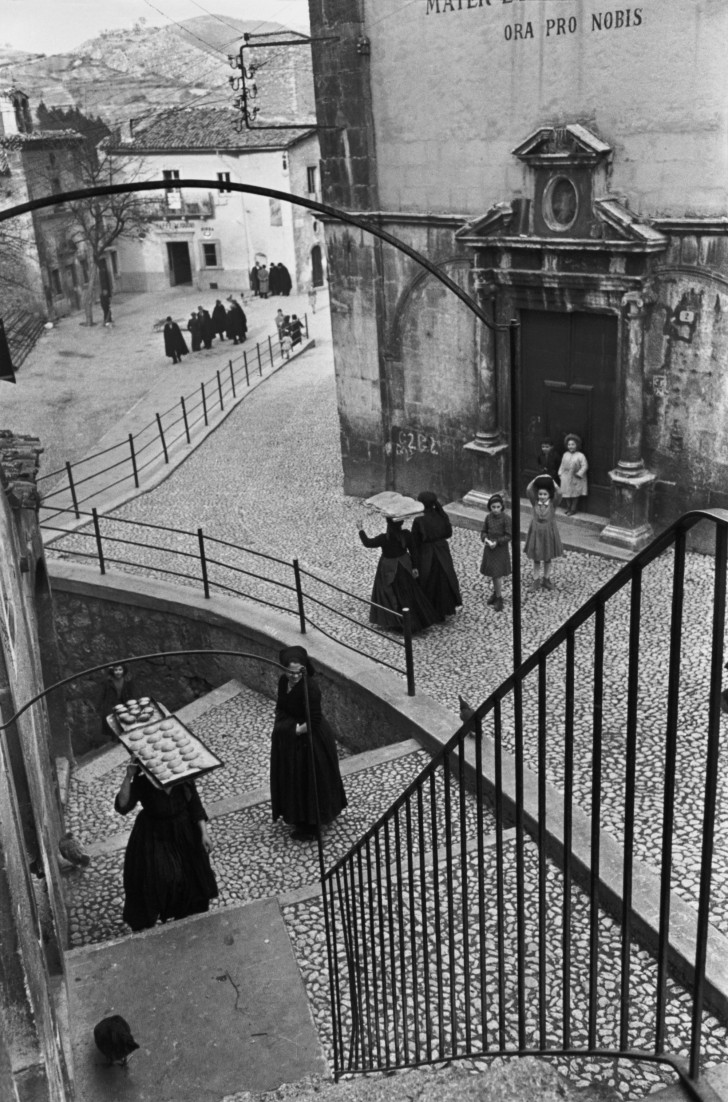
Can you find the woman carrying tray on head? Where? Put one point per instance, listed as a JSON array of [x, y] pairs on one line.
[[167, 871]]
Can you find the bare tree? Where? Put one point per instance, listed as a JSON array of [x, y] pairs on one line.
[[95, 224], [19, 274]]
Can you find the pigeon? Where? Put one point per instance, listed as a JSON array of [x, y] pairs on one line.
[[73, 852], [113, 1038]]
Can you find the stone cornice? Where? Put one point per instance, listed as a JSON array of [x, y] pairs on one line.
[[711, 224]]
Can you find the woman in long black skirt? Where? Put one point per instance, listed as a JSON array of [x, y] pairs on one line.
[[395, 582], [167, 871], [431, 556], [292, 772]]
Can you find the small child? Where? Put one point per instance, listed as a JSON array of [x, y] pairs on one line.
[[572, 474], [286, 344], [548, 460], [543, 542], [496, 537]]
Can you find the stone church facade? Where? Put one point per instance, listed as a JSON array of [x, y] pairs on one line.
[[564, 163]]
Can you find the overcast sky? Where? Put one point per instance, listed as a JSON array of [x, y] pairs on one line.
[[54, 26]]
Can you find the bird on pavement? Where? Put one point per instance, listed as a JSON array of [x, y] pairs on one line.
[[113, 1038], [72, 850]]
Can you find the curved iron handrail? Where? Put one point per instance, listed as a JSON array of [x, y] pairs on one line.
[[373, 918]]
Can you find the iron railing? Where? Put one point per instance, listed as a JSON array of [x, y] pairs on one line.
[[493, 908], [214, 564], [126, 462]]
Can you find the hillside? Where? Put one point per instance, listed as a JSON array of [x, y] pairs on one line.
[[129, 73]]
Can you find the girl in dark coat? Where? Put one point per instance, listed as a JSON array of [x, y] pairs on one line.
[[496, 537], [292, 790], [118, 689], [174, 343], [295, 330], [219, 319], [395, 582], [195, 331], [167, 871], [432, 558]]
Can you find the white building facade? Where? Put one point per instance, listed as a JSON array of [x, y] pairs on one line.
[[211, 240]]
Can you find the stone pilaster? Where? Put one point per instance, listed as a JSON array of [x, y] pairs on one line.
[[629, 524], [488, 449]]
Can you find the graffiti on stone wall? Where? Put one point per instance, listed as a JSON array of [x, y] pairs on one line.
[[409, 443]]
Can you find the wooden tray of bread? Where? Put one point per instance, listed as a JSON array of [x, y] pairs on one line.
[[167, 751]]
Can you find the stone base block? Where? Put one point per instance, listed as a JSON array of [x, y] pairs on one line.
[[629, 525], [489, 472]]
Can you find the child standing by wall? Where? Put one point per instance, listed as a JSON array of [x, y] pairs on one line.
[[543, 542], [572, 474], [496, 537]]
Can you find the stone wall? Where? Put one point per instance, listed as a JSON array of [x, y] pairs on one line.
[[102, 619]]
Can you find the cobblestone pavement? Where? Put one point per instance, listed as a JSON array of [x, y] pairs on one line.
[[284, 498]]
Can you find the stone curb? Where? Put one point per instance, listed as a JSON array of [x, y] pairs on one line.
[[160, 471]]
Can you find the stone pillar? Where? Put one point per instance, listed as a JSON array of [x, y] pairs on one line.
[[488, 449], [631, 482]]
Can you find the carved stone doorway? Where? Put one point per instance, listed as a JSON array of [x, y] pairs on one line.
[[569, 366]]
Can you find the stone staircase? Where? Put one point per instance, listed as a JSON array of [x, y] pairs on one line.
[[265, 935]]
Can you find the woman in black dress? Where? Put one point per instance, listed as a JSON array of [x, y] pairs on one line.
[[292, 790], [167, 871], [395, 582], [432, 558]]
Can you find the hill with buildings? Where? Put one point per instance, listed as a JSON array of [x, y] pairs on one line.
[[130, 73]]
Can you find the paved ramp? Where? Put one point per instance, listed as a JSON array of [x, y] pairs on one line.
[[216, 1003]]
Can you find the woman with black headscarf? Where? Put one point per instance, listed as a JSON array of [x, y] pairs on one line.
[[395, 582], [292, 772], [431, 555]]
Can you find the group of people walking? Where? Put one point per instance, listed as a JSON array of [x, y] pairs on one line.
[[224, 322], [275, 280], [416, 571], [290, 332]]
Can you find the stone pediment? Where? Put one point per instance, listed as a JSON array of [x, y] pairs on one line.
[[567, 145], [612, 223]]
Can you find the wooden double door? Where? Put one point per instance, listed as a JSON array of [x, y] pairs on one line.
[[569, 384]]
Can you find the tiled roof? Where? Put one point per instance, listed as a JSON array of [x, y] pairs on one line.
[[192, 128], [41, 137]]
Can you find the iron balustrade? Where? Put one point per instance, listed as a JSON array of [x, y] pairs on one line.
[[183, 417], [492, 909], [222, 575]]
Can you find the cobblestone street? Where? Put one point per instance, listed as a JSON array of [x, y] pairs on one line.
[[269, 478]]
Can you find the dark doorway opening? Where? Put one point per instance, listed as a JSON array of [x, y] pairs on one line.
[[569, 373], [180, 268], [317, 268]]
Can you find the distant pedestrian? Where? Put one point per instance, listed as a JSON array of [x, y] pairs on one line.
[[219, 319], [118, 688], [105, 303], [207, 331], [312, 296], [431, 556], [280, 320], [237, 322], [496, 537], [254, 280], [194, 327], [174, 343], [548, 460], [284, 280], [273, 283], [295, 330], [395, 582], [263, 281], [543, 542], [572, 472]]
